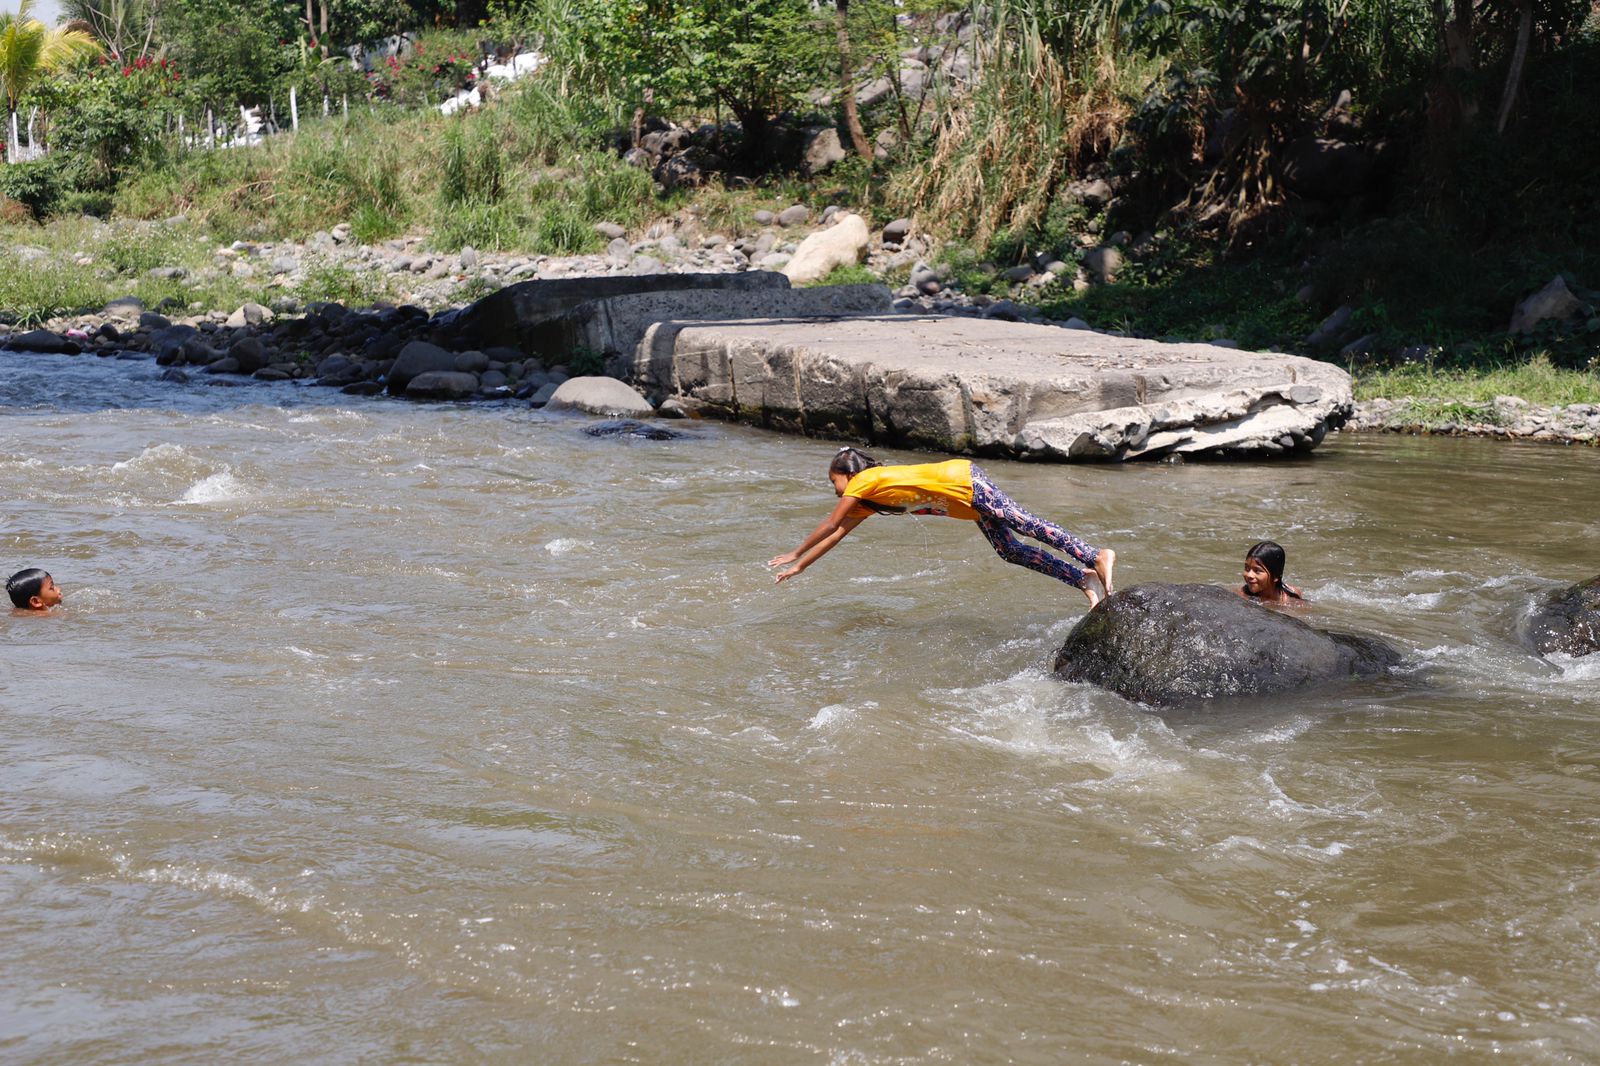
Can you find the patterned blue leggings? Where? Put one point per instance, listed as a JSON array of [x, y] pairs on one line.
[[999, 515]]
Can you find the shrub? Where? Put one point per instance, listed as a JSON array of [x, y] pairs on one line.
[[328, 282], [563, 229], [36, 184]]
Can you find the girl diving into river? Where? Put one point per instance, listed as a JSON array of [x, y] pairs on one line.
[[955, 489]]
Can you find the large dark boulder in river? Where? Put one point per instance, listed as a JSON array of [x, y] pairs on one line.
[[1569, 621], [1171, 644]]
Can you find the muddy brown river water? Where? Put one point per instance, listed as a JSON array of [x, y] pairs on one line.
[[375, 732]]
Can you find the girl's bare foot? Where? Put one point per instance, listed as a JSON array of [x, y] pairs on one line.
[[1094, 597], [1104, 563]]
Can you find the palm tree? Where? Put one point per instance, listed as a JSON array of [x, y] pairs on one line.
[[126, 27], [29, 50]]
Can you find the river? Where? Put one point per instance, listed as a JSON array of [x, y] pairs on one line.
[[373, 731]]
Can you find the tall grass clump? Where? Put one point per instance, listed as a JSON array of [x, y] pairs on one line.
[[1039, 110], [32, 292], [291, 186], [1537, 381]]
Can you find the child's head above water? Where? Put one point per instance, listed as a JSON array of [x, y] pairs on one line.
[[33, 590], [1263, 569]]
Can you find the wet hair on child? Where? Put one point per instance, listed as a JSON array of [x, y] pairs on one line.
[[851, 461], [1271, 555], [25, 584]]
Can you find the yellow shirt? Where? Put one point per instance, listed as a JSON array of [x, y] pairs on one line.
[[931, 488]]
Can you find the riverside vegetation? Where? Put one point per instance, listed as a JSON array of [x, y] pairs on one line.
[[1379, 187]]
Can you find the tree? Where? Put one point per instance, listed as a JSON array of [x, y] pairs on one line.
[[28, 51], [757, 58], [231, 51], [125, 27], [847, 82]]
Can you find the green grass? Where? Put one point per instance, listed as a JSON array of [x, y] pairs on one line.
[[1537, 381], [853, 274], [39, 291], [325, 282], [1185, 291]]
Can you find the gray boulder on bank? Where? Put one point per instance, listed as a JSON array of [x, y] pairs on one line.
[[599, 396], [841, 244], [1175, 644], [415, 359], [1554, 302], [1568, 622], [442, 385], [41, 342]]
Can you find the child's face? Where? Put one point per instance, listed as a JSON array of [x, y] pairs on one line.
[[48, 596], [1257, 579], [839, 482]]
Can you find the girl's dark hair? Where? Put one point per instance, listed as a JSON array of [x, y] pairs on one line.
[[24, 585], [851, 461], [1271, 555]]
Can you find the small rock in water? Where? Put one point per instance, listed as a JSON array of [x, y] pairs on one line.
[[1568, 621], [628, 427]]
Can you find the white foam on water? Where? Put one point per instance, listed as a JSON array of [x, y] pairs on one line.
[[218, 488], [837, 715], [567, 545], [893, 579], [1576, 668], [157, 457], [1032, 714]]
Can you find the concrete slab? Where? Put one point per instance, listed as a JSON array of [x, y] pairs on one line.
[[531, 315], [995, 388]]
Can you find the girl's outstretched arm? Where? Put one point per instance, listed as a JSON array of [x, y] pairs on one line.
[[848, 514]]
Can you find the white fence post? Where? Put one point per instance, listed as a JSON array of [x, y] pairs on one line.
[[294, 109]]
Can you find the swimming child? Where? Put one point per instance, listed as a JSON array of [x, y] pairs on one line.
[[33, 590], [956, 489], [1263, 576]]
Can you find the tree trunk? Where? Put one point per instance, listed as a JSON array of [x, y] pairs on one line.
[[1519, 59], [852, 117], [1452, 104]]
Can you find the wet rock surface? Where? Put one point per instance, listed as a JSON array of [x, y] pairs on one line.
[[1170, 645], [1568, 622], [632, 427]]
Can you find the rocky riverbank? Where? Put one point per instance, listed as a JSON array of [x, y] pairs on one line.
[[281, 337], [1505, 418]]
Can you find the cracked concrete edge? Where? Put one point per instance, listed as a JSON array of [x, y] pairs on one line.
[[789, 386]]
